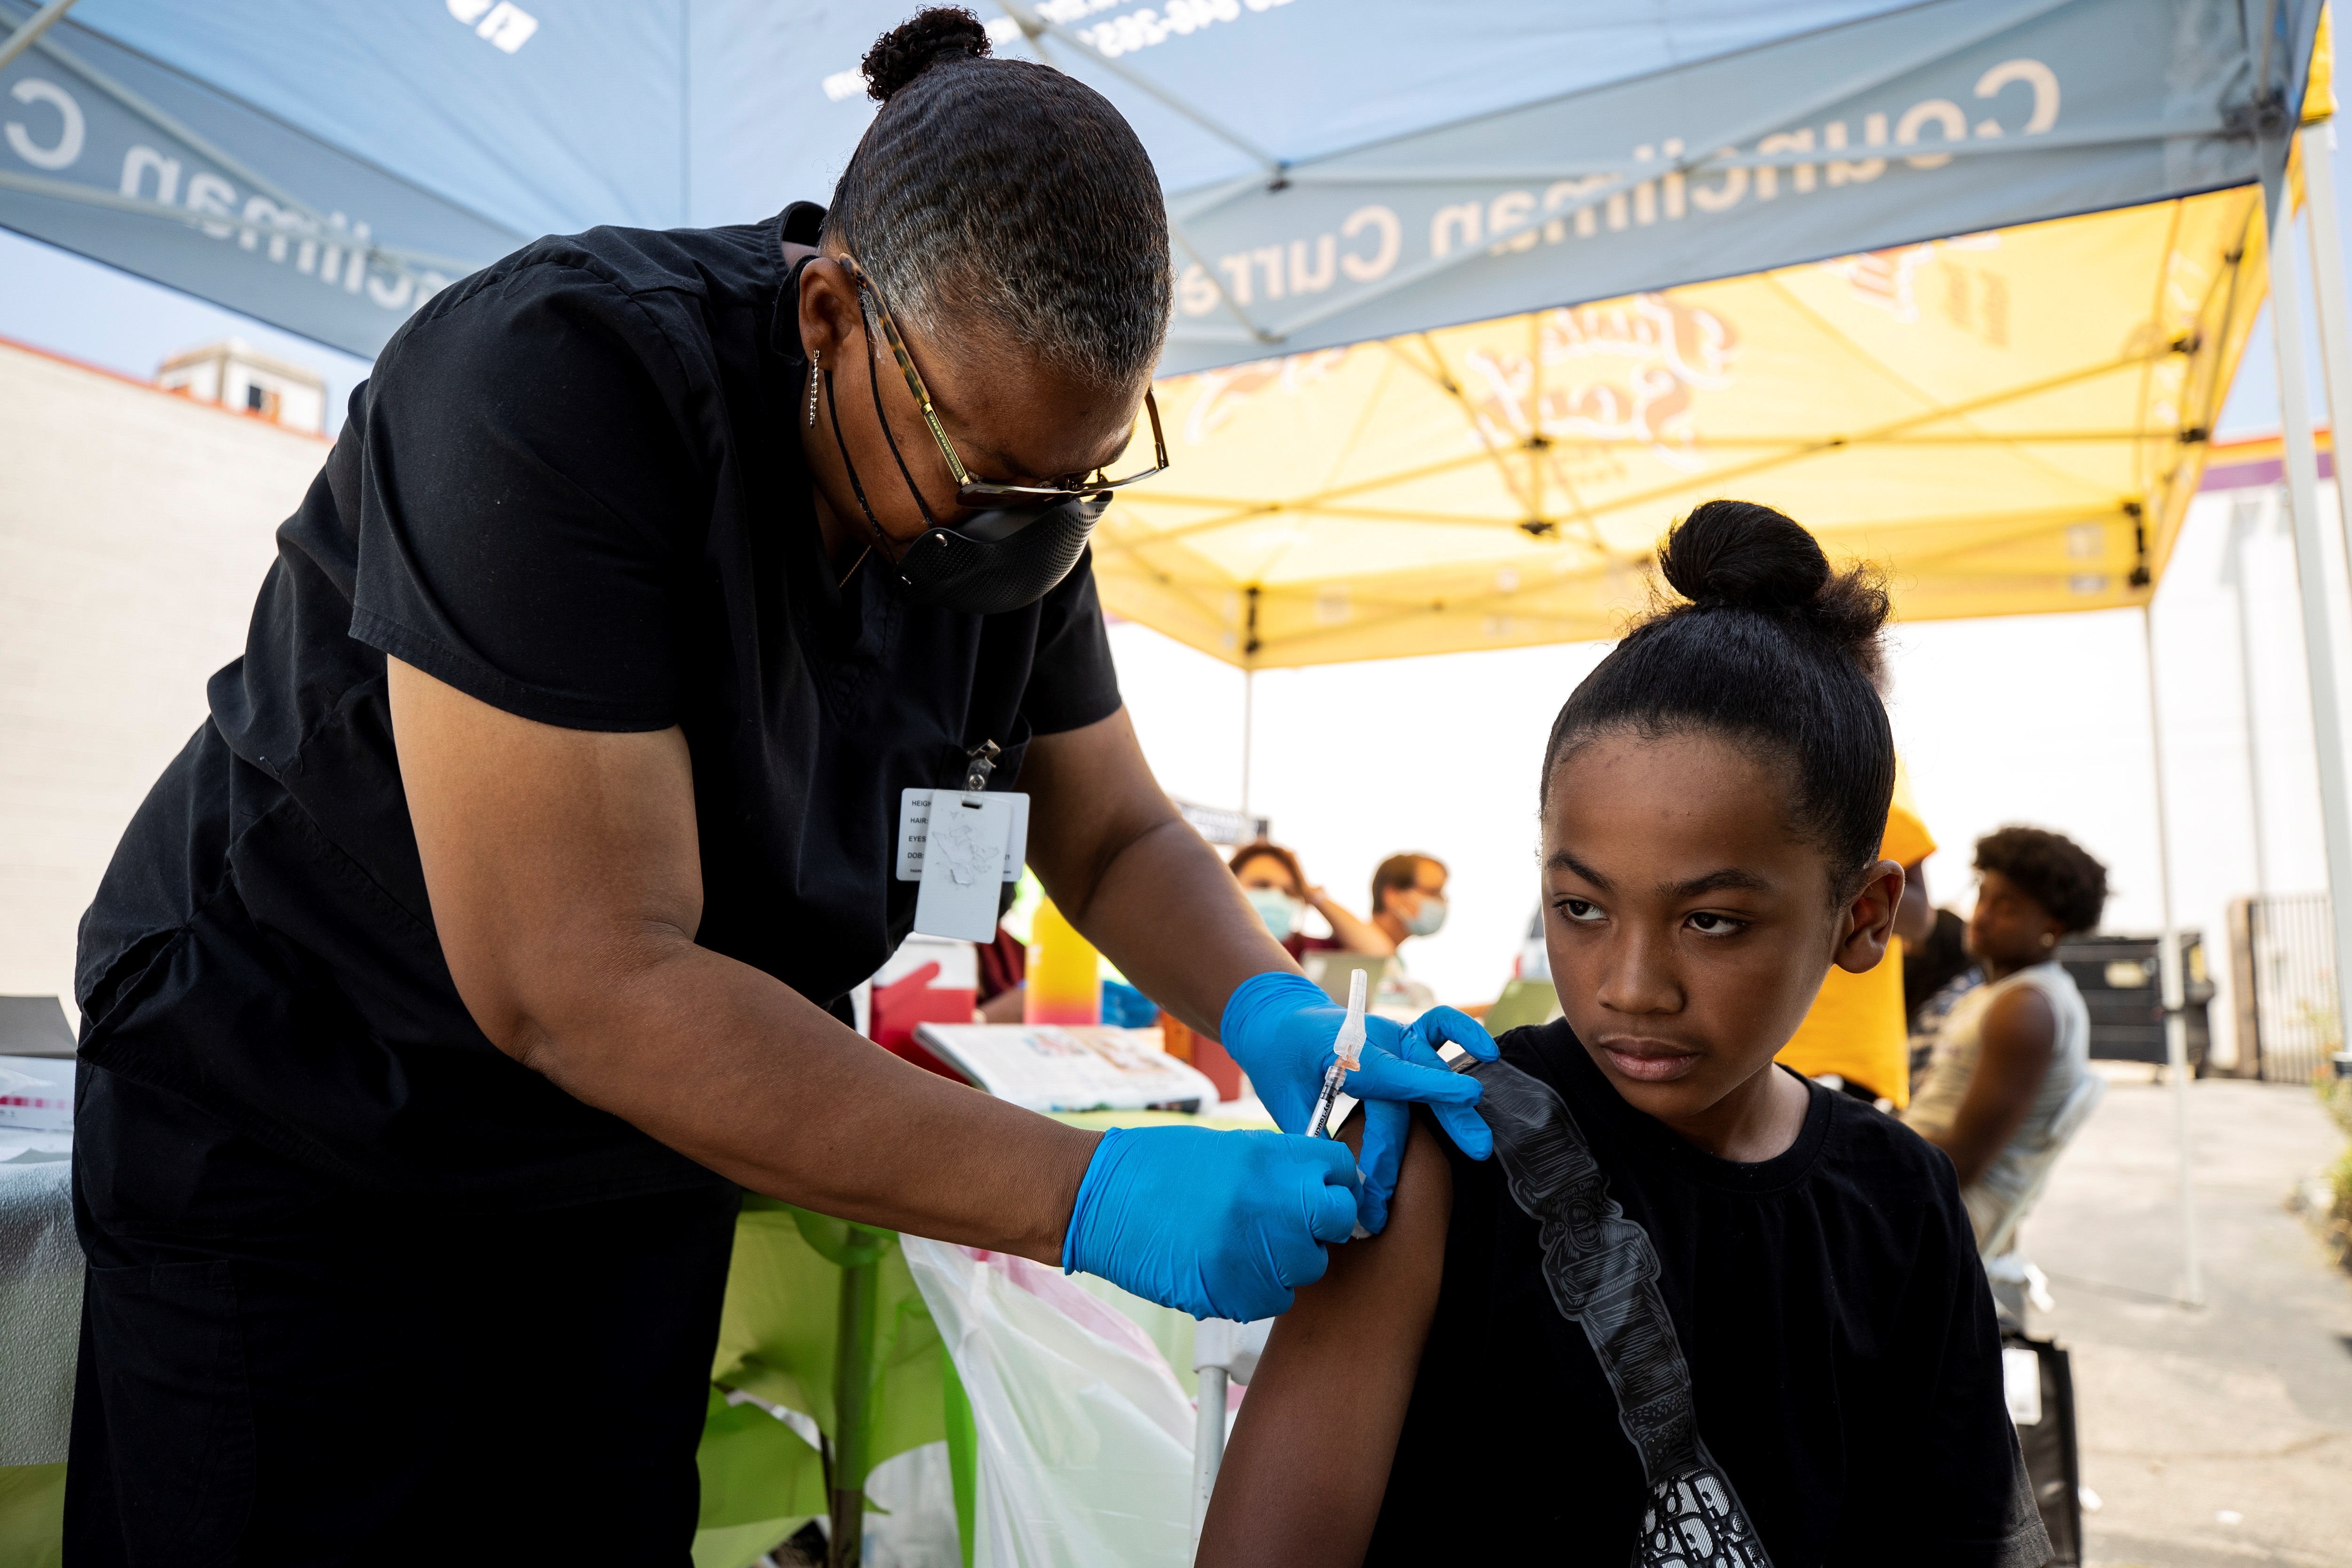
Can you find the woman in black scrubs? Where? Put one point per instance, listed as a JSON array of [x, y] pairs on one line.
[[494, 931]]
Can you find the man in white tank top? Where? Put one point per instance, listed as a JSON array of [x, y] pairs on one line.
[[2010, 1081]]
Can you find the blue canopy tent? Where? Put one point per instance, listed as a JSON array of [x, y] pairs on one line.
[[1335, 174]]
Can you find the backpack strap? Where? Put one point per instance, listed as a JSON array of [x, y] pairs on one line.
[[1602, 1272]]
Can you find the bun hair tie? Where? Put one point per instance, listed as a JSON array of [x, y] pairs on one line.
[[915, 46]]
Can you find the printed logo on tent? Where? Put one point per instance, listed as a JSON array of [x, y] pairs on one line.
[[1142, 28], [1225, 392], [1146, 28], [1630, 366], [1973, 300], [1665, 181], [82, 134], [505, 25]]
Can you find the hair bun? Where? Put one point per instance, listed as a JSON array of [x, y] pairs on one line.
[[1739, 553], [911, 48], [1748, 557]]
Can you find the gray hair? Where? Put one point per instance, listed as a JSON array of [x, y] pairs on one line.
[[1003, 199]]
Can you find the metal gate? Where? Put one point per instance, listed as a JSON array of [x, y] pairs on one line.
[[2280, 949]]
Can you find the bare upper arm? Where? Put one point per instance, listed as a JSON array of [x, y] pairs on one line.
[[2019, 1032], [2020, 1036], [1308, 1463], [551, 856]]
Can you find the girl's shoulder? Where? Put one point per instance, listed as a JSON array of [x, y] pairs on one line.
[[1850, 1155]]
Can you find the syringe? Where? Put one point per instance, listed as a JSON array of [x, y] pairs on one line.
[[1350, 1049]]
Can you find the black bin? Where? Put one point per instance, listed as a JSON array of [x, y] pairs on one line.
[[2122, 985]]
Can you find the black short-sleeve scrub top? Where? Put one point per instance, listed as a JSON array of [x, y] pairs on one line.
[[574, 489]]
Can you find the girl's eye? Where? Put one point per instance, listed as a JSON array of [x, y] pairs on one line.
[[1707, 924], [1581, 910]]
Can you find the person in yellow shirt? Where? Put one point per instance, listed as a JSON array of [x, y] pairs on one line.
[[1856, 1028]]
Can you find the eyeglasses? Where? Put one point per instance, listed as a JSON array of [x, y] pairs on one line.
[[982, 493]]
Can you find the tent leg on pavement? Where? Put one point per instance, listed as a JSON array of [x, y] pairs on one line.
[[2176, 1026], [2302, 465]]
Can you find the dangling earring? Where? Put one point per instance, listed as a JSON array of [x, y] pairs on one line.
[[814, 357], [2048, 941]]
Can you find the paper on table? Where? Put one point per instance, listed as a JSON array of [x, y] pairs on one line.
[[1050, 1066]]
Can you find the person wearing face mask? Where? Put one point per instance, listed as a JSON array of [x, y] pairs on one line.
[[495, 931], [1277, 889], [1408, 897]]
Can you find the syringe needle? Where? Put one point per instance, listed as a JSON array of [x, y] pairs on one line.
[[1349, 1055]]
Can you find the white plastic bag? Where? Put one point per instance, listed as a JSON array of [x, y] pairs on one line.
[[1086, 1440], [913, 1524]]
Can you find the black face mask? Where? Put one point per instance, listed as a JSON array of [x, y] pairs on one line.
[[997, 561]]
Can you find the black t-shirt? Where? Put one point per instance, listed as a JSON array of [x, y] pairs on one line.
[[574, 490], [1845, 1364]]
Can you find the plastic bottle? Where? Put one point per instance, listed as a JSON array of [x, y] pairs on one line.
[[1065, 984]]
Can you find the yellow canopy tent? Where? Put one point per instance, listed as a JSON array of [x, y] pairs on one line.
[[2010, 422]]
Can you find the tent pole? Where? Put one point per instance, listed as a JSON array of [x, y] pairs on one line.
[[22, 38], [2303, 502], [1249, 728], [2176, 1024], [2327, 286], [2242, 523]]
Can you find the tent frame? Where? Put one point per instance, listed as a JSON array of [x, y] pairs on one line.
[[24, 37]]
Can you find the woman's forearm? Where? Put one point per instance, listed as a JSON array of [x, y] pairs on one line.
[[566, 890], [741, 1074]]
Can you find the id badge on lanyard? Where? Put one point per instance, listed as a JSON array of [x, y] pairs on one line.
[[962, 846]]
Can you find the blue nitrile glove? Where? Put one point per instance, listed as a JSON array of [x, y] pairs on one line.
[[1281, 1028], [1219, 1225], [1386, 1121]]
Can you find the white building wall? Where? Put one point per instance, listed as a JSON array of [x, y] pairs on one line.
[[135, 527], [230, 374], [200, 379]]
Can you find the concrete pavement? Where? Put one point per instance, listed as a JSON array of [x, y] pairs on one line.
[[2218, 1437]]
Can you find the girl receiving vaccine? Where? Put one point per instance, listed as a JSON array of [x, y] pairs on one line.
[[1695, 1310]]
